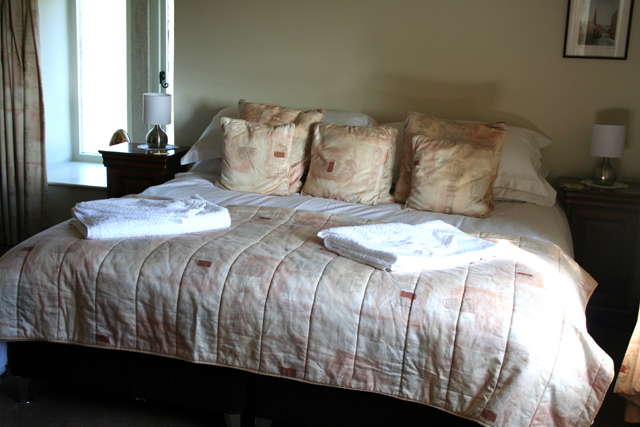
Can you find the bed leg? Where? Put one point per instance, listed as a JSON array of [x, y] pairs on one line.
[[23, 391], [233, 420], [261, 422]]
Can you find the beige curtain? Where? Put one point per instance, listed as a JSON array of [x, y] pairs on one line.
[[628, 382], [23, 176]]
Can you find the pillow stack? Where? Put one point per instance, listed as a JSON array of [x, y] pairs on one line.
[[438, 165], [449, 166], [269, 149], [520, 175], [206, 153], [273, 115]]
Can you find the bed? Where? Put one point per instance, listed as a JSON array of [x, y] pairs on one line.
[[261, 319]]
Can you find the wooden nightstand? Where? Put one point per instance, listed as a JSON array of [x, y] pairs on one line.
[[606, 238], [131, 170]]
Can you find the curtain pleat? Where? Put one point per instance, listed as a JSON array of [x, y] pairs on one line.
[[23, 176]]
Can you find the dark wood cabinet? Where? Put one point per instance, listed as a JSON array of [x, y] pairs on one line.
[[131, 170], [606, 237]]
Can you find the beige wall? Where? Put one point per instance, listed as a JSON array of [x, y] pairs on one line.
[[458, 59]]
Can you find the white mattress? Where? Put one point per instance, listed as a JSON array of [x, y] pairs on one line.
[[548, 224]]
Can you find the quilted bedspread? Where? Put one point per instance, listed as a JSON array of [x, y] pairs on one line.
[[502, 342]]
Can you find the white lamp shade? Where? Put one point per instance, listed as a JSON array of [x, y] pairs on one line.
[[156, 108], [608, 140]]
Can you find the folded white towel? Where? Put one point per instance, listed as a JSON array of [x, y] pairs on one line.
[[172, 209], [428, 246], [139, 217]]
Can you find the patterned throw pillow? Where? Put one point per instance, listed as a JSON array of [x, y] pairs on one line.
[[256, 157], [273, 115], [453, 166], [351, 163], [421, 124]]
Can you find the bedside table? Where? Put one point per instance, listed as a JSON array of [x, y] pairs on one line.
[[131, 170], [606, 238]]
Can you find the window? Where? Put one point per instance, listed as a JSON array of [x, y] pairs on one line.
[[102, 71], [98, 58]]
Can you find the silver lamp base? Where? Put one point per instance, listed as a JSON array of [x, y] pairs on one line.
[[604, 173], [156, 138]]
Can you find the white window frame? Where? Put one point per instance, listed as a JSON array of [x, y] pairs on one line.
[[143, 66], [160, 11]]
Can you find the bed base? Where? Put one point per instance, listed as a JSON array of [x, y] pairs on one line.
[[232, 392], [235, 420]]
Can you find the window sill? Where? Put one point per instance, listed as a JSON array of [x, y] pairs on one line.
[[77, 174]]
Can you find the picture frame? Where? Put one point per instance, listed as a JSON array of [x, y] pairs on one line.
[[598, 29]]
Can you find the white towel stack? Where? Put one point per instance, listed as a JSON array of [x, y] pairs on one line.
[[431, 245], [139, 217]]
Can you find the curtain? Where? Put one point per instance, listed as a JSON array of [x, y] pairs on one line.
[[23, 176], [628, 382]]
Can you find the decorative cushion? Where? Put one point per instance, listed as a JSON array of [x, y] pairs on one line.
[[455, 176], [421, 124], [351, 163], [256, 157], [273, 115]]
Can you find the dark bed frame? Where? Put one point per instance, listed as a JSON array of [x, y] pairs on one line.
[[216, 389]]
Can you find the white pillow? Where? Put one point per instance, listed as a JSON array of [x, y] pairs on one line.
[[519, 175], [539, 198], [213, 166], [348, 118], [210, 144]]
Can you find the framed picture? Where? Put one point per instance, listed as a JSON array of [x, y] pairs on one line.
[[598, 29]]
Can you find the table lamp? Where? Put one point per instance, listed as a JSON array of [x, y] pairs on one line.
[[156, 111], [606, 141]]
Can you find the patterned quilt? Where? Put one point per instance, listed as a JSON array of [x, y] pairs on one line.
[[502, 342]]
